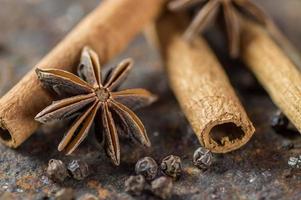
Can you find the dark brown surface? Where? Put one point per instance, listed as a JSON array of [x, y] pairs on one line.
[[29, 29]]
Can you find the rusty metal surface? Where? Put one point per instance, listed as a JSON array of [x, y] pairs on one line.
[[259, 170]]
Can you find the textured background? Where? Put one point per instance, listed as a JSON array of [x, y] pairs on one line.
[[259, 170]]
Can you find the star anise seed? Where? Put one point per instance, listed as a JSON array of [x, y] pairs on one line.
[[87, 98], [231, 10]]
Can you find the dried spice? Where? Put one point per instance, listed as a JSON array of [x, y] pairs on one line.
[[172, 166], [279, 122], [135, 185], [20, 105], [147, 167], [202, 158], [202, 87], [78, 169], [262, 50], [231, 9], [88, 98], [274, 69], [162, 187], [294, 162], [57, 170]]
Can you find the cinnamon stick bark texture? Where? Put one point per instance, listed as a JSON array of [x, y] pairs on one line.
[[275, 71], [202, 89], [108, 30]]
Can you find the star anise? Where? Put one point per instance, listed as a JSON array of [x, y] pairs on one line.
[[231, 10], [89, 98]]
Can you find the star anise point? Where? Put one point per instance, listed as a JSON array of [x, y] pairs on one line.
[[89, 97], [232, 11]]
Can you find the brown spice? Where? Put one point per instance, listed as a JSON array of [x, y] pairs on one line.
[[202, 158], [162, 187], [78, 169], [147, 167], [230, 9], [260, 49], [116, 23], [273, 69], [171, 166], [57, 170], [89, 98], [135, 185], [202, 88]]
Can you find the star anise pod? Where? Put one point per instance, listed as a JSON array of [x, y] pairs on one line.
[[88, 98], [230, 9]]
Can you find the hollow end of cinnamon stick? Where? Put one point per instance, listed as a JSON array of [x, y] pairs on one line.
[[5, 135], [225, 134], [11, 136], [16, 125], [201, 87]]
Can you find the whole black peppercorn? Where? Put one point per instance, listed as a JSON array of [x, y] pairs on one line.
[[57, 170], [294, 162], [202, 158], [78, 169], [147, 167], [135, 185], [171, 166], [162, 187], [279, 122]]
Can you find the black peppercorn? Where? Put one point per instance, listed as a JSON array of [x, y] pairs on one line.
[[171, 166], [202, 158], [57, 170], [147, 167], [294, 162], [279, 122], [162, 187], [78, 169], [135, 185]]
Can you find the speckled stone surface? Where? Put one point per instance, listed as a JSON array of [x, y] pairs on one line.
[[259, 170]]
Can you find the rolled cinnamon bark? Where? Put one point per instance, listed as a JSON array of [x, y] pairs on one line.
[[291, 51], [202, 88], [274, 70], [108, 30]]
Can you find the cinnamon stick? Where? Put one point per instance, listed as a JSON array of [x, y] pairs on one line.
[[202, 88], [108, 30], [274, 69], [291, 51]]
